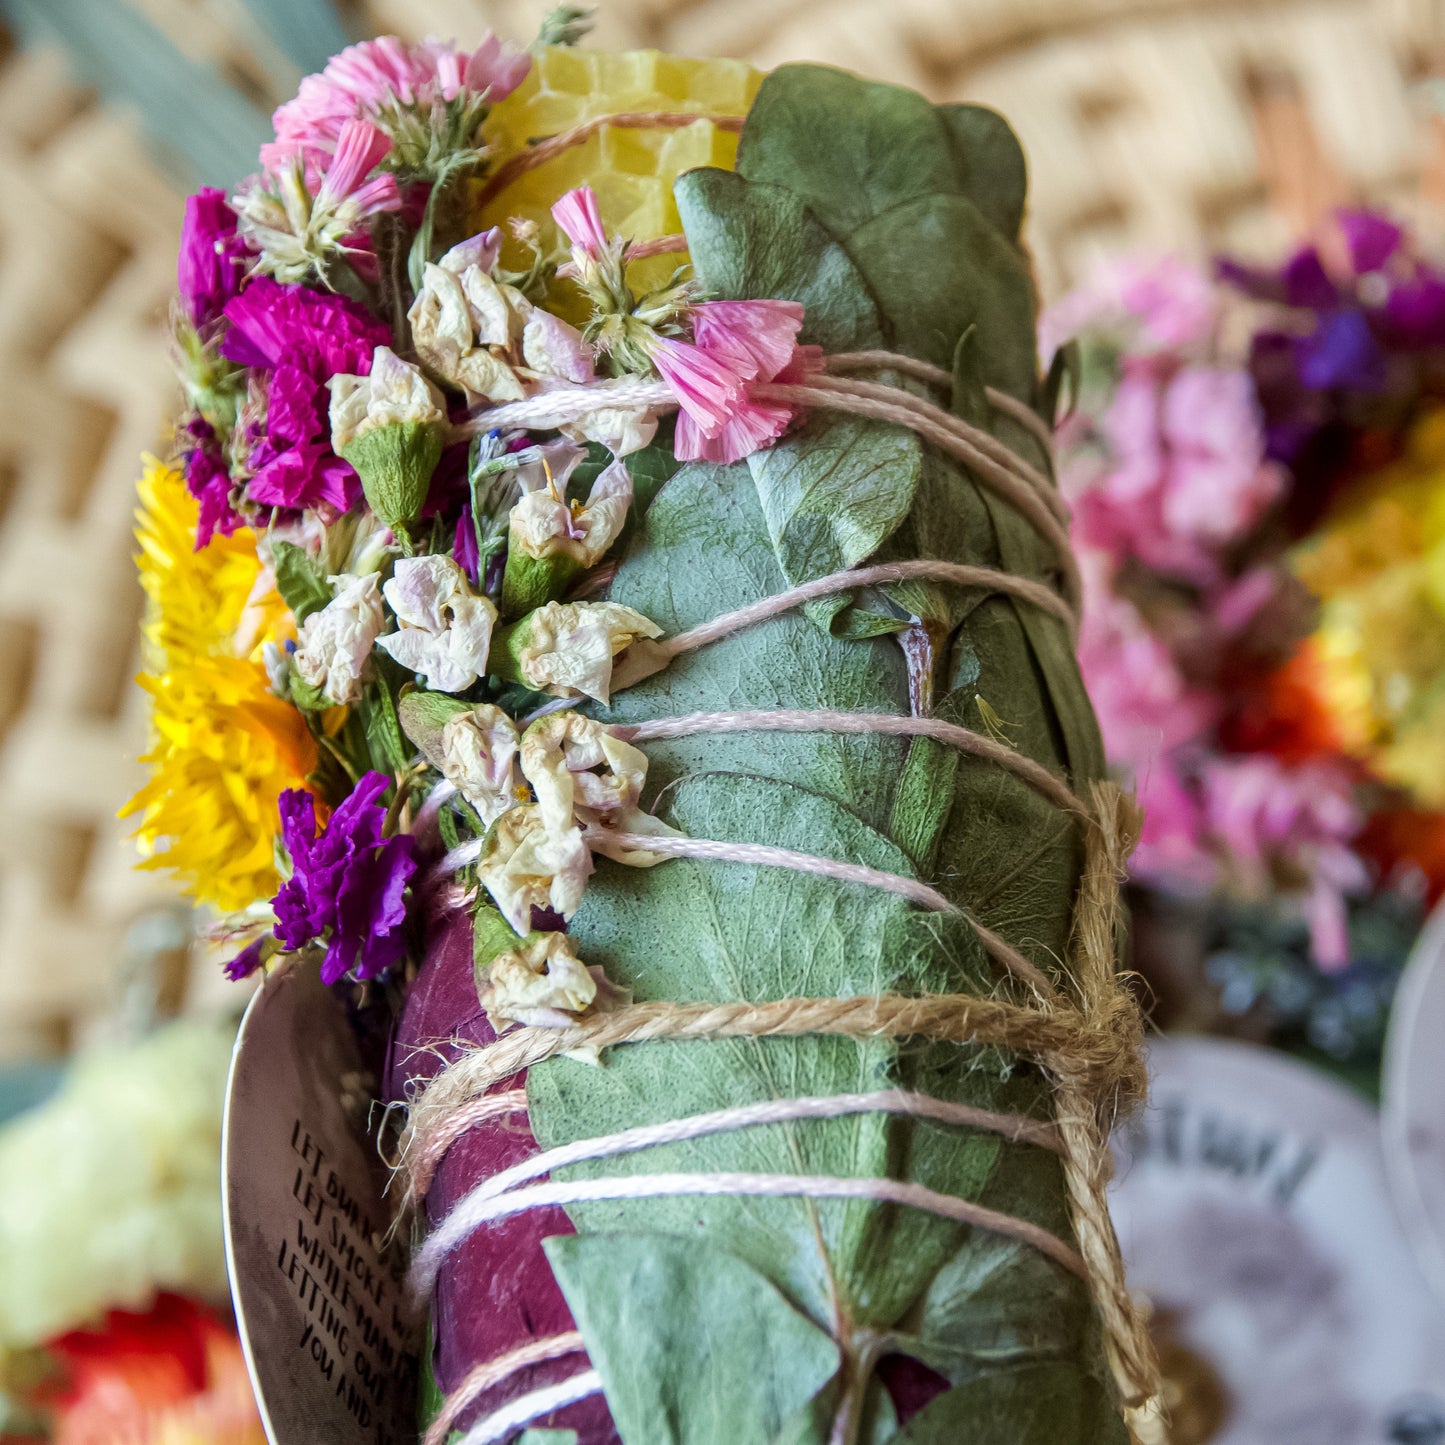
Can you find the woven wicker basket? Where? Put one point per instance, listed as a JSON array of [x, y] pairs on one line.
[[1150, 124]]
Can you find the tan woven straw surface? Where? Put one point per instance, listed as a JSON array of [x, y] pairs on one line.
[[1150, 124]]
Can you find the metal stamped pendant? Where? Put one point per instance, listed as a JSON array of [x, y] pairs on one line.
[[318, 1293]]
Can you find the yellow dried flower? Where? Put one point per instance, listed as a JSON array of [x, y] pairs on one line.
[[225, 746]]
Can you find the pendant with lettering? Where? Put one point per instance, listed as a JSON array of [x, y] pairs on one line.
[[318, 1297]]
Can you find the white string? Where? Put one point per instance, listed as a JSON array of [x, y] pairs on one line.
[[802, 720], [465, 1215], [778, 1186], [481, 1379], [518, 1413]]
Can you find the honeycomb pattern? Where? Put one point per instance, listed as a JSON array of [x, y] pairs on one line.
[[631, 169]]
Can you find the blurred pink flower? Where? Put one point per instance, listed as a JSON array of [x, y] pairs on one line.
[[1217, 484], [1145, 706], [1271, 819], [1162, 303], [1172, 847]]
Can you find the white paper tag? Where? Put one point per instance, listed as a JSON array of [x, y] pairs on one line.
[[319, 1303]]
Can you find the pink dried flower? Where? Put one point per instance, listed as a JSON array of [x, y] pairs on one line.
[[365, 77], [748, 341], [707, 390], [360, 148], [580, 220]]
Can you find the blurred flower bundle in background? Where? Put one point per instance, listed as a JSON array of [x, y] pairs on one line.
[[112, 1271], [1254, 468]]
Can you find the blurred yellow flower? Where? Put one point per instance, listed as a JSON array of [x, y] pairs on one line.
[[225, 746], [1378, 568]]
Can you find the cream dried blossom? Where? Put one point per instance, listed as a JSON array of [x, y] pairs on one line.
[[391, 426], [544, 524], [446, 629], [584, 774], [393, 394], [478, 758], [524, 866], [484, 336], [540, 983], [334, 645], [567, 648]]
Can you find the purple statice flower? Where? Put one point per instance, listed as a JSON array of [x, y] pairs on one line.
[[315, 331], [1359, 339], [464, 548], [348, 884], [247, 961], [1372, 239], [212, 259], [209, 481], [1340, 354]]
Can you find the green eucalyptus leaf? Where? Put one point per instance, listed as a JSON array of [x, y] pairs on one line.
[[544, 1437], [833, 491], [989, 164], [1019, 1407], [749, 240], [731, 1358], [300, 580], [851, 149]]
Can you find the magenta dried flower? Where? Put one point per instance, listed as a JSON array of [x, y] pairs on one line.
[[212, 261], [348, 883]]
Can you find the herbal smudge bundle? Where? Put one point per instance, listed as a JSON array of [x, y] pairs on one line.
[[630, 631]]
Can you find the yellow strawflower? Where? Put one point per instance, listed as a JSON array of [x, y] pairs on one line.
[[631, 169], [225, 746], [1378, 567]]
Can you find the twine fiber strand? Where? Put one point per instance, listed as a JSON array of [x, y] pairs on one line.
[[1088, 1043], [995, 945], [553, 146], [518, 1413], [986, 443], [491, 1373], [463, 1217], [799, 720], [780, 1186], [878, 574], [1020, 411], [938, 1018], [1087, 1107], [904, 409]]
